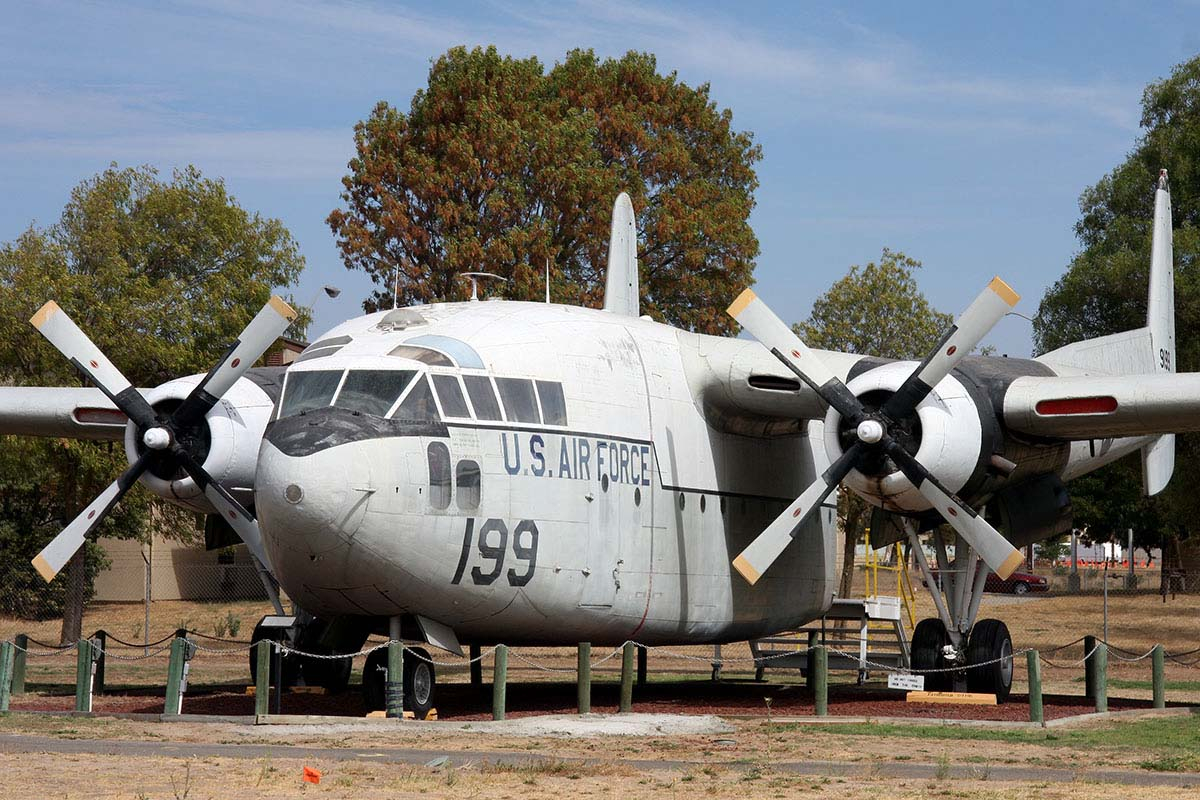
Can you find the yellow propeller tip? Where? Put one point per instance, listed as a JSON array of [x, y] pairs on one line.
[[739, 305], [43, 567], [282, 308], [1004, 291], [746, 570], [1010, 565], [43, 314]]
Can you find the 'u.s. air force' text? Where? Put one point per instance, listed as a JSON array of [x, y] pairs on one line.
[[576, 457]]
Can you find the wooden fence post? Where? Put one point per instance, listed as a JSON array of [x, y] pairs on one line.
[[84, 671], [627, 678], [6, 672], [583, 670], [821, 681], [18, 674], [173, 703], [394, 682], [1035, 687], [499, 680], [1089, 667], [1158, 659], [1101, 671], [262, 677]]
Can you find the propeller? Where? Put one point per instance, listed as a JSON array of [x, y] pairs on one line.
[[875, 432], [165, 438]]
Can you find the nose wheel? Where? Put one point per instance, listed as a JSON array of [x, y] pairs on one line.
[[420, 681]]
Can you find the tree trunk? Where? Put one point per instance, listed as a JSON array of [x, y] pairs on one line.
[[76, 587], [853, 529], [76, 569]]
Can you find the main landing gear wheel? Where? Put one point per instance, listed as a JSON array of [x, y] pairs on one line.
[[990, 645], [420, 681], [929, 643]]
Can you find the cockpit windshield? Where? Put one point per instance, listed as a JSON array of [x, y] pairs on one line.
[[308, 390], [373, 391]]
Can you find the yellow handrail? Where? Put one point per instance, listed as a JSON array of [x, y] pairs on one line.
[[904, 589]]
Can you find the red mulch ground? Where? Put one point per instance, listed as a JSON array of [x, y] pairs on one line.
[[462, 702]]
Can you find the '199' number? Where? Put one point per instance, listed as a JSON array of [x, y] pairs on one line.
[[493, 547]]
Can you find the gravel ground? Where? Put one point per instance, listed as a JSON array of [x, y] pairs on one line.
[[727, 698]]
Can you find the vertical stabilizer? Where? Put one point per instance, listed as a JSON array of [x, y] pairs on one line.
[[1158, 457], [621, 278]]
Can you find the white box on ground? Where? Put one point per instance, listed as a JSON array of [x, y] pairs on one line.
[[906, 682]]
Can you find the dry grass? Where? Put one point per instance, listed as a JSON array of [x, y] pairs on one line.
[[1136, 623]]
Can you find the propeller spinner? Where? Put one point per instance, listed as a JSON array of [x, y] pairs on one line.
[[877, 433], [162, 436]]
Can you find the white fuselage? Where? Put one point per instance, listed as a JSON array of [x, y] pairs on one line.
[[618, 522]]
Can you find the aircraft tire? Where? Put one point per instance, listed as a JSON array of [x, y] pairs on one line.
[[988, 642], [929, 639], [419, 681], [331, 674]]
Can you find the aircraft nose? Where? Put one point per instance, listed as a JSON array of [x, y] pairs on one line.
[[311, 503]]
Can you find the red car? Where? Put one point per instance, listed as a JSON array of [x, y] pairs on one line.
[[1016, 583]]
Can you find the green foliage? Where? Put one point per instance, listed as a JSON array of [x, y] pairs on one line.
[[500, 166], [876, 310], [162, 275], [1105, 291]]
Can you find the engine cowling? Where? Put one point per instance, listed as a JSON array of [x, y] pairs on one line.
[[227, 447], [948, 436]]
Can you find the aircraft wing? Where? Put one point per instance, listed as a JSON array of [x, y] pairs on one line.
[[75, 413], [1104, 406]]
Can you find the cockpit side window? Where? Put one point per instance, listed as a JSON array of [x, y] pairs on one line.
[[304, 391], [373, 391], [483, 397], [439, 475], [520, 405], [554, 406], [419, 405], [449, 392]]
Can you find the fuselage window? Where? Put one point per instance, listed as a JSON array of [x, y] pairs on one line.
[[519, 403], [423, 354], [439, 475], [372, 391], [304, 391], [418, 406], [466, 481], [554, 407], [450, 393], [483, 397]]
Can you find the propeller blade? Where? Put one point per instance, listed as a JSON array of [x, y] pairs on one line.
[[64, 334], [996, 300], [755, 316], [761, 553], [267, 326], [55, 555], [996, 551], [241, 520]]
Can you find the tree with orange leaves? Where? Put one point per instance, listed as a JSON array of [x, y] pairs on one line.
[[501, 166]]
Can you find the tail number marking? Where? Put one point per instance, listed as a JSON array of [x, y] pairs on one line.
[[492, 544]]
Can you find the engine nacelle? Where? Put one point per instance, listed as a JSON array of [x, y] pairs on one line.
[[229, 451], [950, 446]]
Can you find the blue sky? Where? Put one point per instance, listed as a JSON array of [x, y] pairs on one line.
[[958, 133]]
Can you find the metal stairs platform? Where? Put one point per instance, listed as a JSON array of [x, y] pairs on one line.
[[876, 635]]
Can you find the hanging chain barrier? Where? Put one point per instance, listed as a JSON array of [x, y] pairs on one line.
[[163, 645]]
